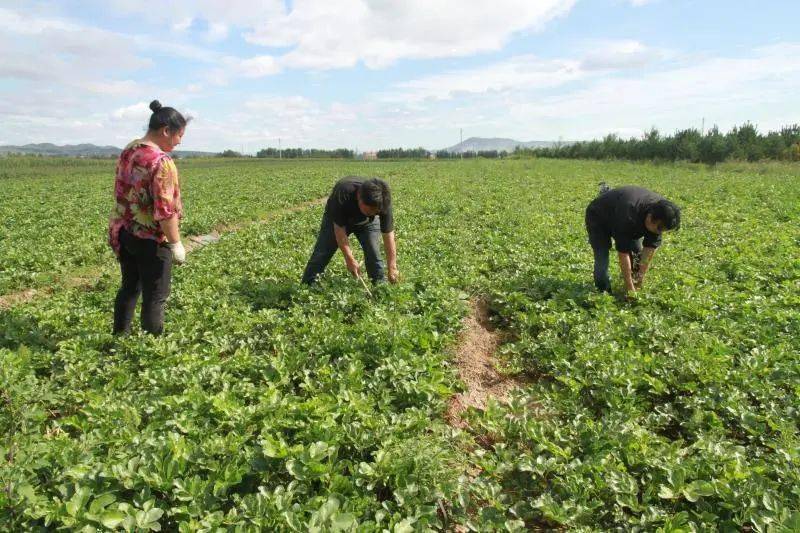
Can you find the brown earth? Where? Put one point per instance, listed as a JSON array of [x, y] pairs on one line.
[[475, 362], [10, 300]]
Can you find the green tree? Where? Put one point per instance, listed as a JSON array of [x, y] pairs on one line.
[[714, 147], [687, 145]]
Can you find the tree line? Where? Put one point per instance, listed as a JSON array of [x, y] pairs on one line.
[[295, 153], [742, 143], [422, 153], [306, 153]]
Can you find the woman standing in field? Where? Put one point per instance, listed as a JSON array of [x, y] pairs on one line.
[[144, 226]]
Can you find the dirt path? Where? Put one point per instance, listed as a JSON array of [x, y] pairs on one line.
[[191, 243], [475, 361]]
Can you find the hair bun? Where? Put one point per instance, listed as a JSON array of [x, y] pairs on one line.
[[155, 105]]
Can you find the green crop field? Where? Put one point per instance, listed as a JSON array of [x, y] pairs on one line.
[[268, 406]]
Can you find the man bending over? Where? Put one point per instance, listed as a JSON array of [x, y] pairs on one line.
[[635, 218], [353, 207]]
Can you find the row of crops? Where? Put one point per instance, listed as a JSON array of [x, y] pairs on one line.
[[271, 406], [56, 211]]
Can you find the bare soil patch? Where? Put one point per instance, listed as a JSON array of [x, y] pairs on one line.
[[476, 364], [10, 300]]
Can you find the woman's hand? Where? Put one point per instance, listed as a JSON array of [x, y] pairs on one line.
[[178, 252]]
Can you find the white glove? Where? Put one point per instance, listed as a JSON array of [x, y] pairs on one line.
[[178, 252]]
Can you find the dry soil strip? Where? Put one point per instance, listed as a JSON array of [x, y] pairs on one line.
[[191, 243], [475, 361]]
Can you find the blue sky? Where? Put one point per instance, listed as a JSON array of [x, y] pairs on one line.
[[380, 73]]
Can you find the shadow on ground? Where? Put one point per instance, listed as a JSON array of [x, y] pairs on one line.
[[267, 294], [18, 328], [548, 288]]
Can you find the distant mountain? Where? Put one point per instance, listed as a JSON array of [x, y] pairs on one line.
[[83, 150], [480, 144], [69, 150]]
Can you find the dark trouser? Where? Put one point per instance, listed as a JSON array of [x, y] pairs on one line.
[[367, 234], [146, 269], [600, 240], [601, 279]]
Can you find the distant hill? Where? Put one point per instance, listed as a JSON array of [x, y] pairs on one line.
[[69, 150], [480, 144], [83, 150]]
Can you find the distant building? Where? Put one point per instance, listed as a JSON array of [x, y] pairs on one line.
[[370, 156]]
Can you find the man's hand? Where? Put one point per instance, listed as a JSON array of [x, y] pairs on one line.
[[344, 245], [625, 268], [394, 274], [391, 256], [178, 252], [352, 266], [644, 265]]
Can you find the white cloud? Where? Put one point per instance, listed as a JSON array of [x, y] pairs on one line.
[[57, 47], [327, 35], [527, 72], [517, 73], [378, 33], [113, 87], [176, 49], [323, 35], [183, 25], [140, 112], [620, 54], [698, 88], [506, 103], [724, 90], [16, 66], [71, 82], [255, 67], [230, 67], [241, 13], [22, 24], [262, 120], [47, 115], [279, 105], [217, 31]]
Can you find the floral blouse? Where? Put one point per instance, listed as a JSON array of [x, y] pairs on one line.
[[146, 191]]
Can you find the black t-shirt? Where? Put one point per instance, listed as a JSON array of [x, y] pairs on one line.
[[621, 212], [342, 206]]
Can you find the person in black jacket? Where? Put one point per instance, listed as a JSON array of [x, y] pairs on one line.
[[353, 207], [635, 218]]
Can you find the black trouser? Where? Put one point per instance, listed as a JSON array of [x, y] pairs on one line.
[[146, 269], [600, 240], [369, 237]]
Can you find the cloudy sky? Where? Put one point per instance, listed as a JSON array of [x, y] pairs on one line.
[[368, 74]]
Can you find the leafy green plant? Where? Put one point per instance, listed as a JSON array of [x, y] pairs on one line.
[[272, 406]]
